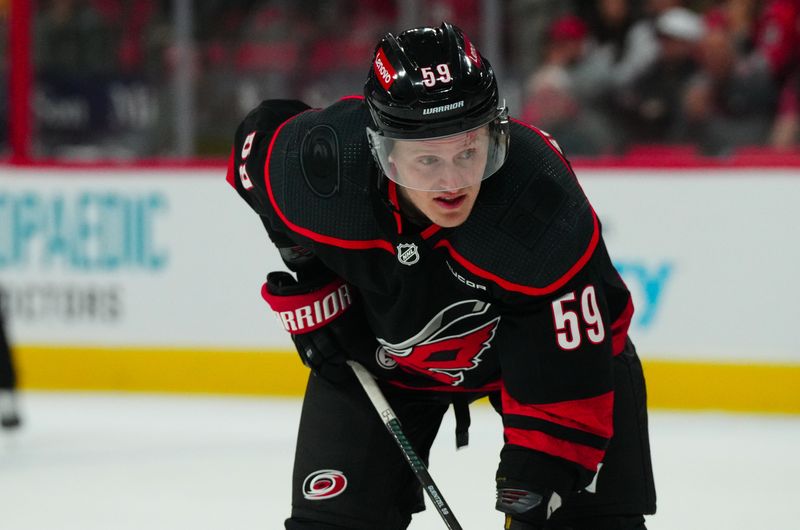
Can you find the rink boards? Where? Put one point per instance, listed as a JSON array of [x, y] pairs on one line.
[[148, 278]]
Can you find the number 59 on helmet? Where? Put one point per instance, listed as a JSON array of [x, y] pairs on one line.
[[432, 85]]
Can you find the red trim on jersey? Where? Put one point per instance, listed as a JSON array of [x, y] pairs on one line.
[[533, 291], [490, 387], [593, 415], [231, 177], [428, 232], [582, 455], [398, 219], [619, 329], [546, 140], [353, 244], [396, 203], [351, 97]]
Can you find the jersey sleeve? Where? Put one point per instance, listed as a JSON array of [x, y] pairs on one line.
[[557, 391], [249, 155]]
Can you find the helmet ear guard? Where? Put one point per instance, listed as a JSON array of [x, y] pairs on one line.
[[431, 83]]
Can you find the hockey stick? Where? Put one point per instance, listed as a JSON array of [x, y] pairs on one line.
[[393, 424]]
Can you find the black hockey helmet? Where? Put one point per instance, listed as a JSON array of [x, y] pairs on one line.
[[431, 82]]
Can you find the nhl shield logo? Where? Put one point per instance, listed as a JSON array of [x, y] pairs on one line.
[[407, 253]]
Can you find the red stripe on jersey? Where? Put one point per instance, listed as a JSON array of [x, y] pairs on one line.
[[490, 387], [592, 415], [544, 137], [582, 455], [619, 329], [231, 176], [396, 212], [533, 291], [353, 244], [343, 98], [398, 219], [428, 232]]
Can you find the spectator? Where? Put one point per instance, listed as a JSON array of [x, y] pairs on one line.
[[650, 106], [777, 43], [616, 54], [566, 41], [764, 31], [551, 106], [643, 38], [739, 18], [528, 22], [767, 35], [777, 37], [71, 37], [730, 102], [550, 100], [785, 132]]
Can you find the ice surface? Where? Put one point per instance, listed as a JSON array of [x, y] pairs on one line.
[[161, 462]]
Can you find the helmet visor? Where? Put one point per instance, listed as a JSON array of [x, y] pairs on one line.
[[443, 163]]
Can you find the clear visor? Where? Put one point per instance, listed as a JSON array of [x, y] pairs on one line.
[[444, 163]]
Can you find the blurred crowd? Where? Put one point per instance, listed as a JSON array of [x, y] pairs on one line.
[[717, 76], [602, 76]]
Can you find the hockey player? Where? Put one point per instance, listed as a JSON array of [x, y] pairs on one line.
[[9, 414], [447, 285]]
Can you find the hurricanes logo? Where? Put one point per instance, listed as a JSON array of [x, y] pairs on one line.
[[324, 484], [451, 343], [384, 360]]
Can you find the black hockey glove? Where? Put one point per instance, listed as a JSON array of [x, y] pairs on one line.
[[526, 488], [525, 510], [320, 317]]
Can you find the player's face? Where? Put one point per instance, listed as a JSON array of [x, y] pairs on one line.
[[445, 164], [455, 164]]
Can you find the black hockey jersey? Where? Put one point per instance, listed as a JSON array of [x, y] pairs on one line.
[[521, 299]]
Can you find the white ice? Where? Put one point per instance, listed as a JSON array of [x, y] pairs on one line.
[[159, 462]]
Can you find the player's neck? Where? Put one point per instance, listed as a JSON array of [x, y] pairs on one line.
[[410, 212]]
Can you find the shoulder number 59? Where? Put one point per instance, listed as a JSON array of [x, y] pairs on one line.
[[568, 322]]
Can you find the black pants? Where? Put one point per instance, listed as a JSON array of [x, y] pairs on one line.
[[8, 378], [349, 474]]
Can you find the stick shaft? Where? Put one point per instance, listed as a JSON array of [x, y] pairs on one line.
[[414, 461]]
